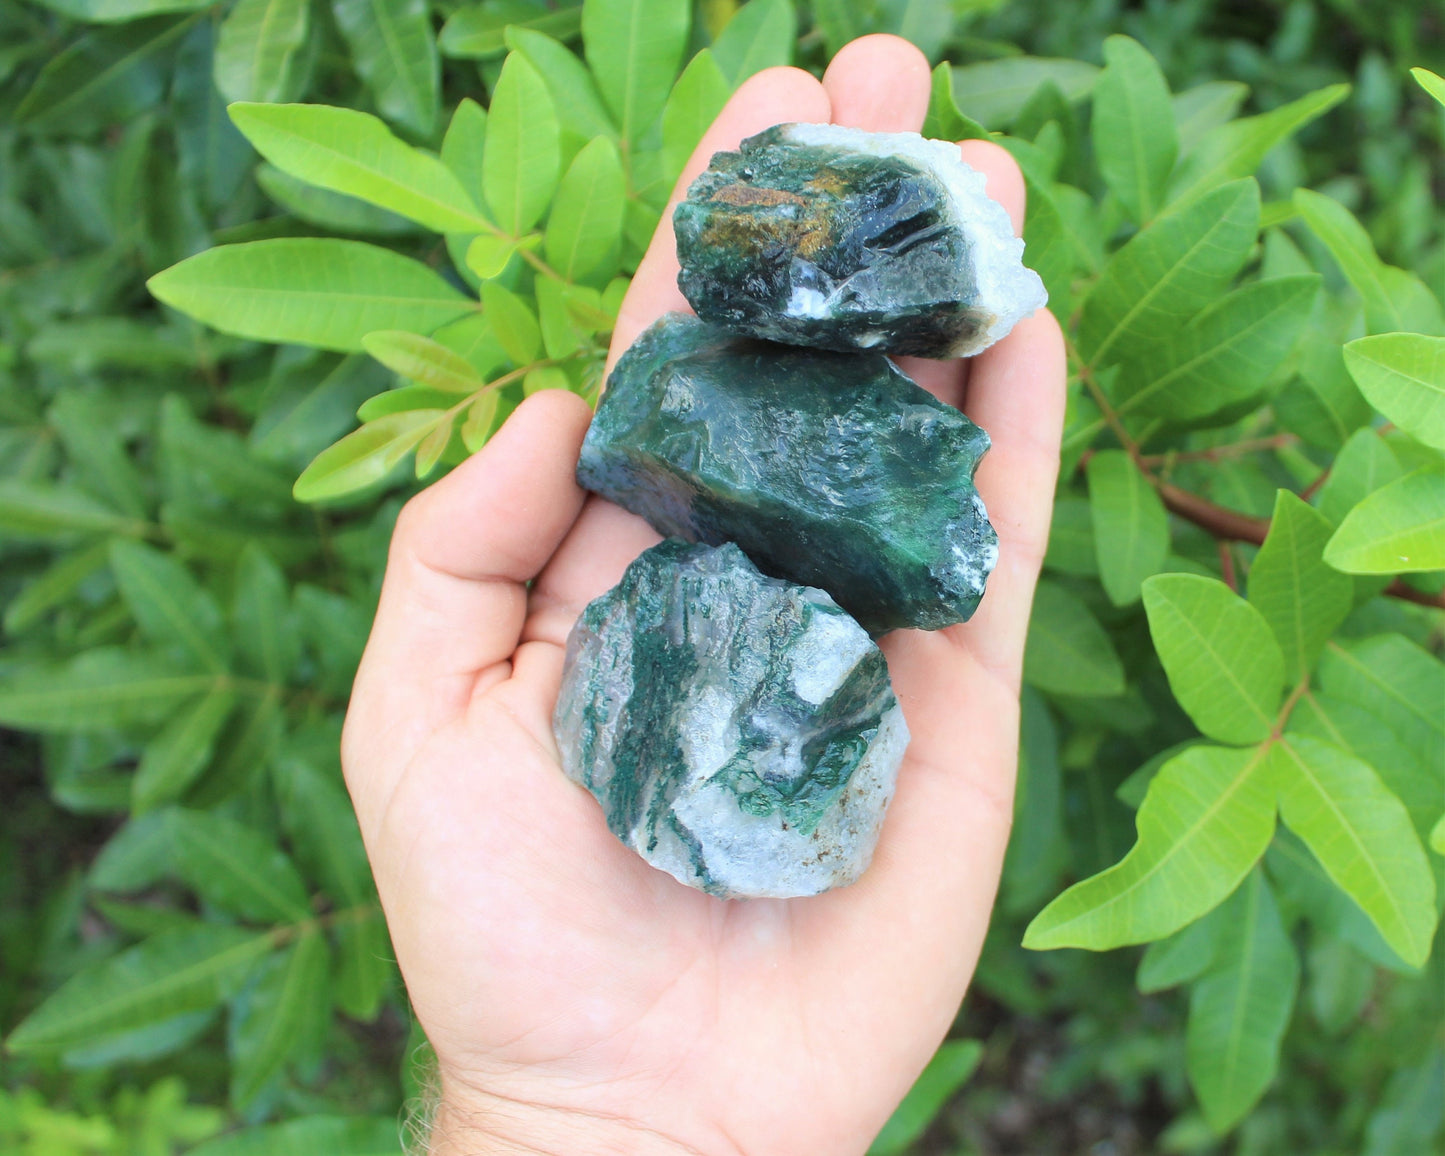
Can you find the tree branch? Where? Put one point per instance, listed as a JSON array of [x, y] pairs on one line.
[[1229, 525], [1232, 526], [1402, 589]]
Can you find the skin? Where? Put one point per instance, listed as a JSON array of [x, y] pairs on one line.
[[580, 1001]]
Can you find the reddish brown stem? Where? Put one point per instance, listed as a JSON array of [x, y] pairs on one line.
[[1401, 589], [1226, 564], [1230, 525]]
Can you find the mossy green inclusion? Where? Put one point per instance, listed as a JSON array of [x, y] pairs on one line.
[[739, 731], [828, 469]]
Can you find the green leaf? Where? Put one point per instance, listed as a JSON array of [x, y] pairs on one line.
[[181, 751], [260, 50], [213, 158], [1222, 662], [355, 153], [136, 857], [422, 360], [634, 48], [181, 971], [1239, 1011], [1237, 148], [487, 255], [512, 321], [952, 1065], [266, 637], [245, 749], [1340, 983], [121, 11], [839, 22], [366, 456], [1403, 376], [233, 867], [1184, 956], [171, 608], [1224, 355], [1393, 299], [464, 145], [395, 51], [1301, 598], [1204, 107], [106, 77], [697, 98], [1036, 847], [1068, 652], [580, 110], [1168, 272], [285, 1011], [944, 120], [334, 212], [97, 451], [1322, 404], [365, 970], [1356, 731], [1362, 836], [993, 92], [1437, 836], [481, 420], [98, 690], [404, 399], [522, 158], [1430, 82], [761, 35], [54, 586], [1131, 529], [1399, 528], [1410, 1110], [41, 510], [321, 825], [1398, 683], [311, 1136], [1205, 821], [217, 459], [1363, 465], [482, 31], [312, 292], [1135, 140], [1071, 539], [544, 377], [585, 225]]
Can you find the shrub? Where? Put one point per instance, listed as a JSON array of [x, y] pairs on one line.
[[1236, 637]]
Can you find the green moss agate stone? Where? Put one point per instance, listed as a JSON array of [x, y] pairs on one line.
[[739, 731], [828, 469], [837, 238]]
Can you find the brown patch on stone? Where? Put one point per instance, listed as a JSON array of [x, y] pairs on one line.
[[743, 195], [829, 182]]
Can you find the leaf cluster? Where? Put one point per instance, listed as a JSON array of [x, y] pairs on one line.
[[272, 250]]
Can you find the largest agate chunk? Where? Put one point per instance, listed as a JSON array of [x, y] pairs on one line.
[[828, 469], [740, 732], [837, 238]]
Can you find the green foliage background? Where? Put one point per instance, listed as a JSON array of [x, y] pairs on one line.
[[1234, 723]]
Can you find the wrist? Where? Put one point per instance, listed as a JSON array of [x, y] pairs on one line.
[[485, 1124]]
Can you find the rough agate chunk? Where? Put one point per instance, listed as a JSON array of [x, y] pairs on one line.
[[837, 238], [739, 731], [828, 469]]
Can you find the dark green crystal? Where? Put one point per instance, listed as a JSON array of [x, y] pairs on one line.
[[830, 470], [836, 238]]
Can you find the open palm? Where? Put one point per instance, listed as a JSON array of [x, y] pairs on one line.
[[580, 1001]]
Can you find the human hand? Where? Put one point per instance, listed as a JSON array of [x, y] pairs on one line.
[[579, 1001]]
